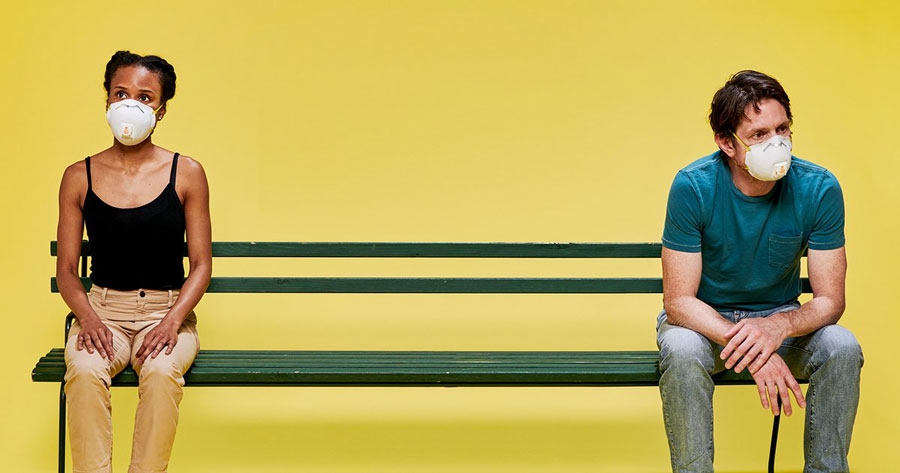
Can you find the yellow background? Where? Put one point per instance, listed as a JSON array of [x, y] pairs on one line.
[[443, 121]]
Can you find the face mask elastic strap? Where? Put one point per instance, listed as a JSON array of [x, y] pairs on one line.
[[747, 148]]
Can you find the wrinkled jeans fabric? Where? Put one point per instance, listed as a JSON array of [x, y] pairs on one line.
[[830, 358]]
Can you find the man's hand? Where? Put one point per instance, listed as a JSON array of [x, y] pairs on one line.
[[752, 341], [163, 335], [95, 336], [775, 379]]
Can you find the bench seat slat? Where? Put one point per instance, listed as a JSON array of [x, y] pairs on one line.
[[59, 352], [374, 368]]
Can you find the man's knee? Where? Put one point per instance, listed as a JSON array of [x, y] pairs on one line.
[[682, 348], [837, 344]]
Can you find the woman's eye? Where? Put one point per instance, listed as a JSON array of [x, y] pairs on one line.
[[145, 97], [120, 93]]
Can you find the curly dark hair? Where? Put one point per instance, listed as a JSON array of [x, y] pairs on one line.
[[160, 66], [742, 89]]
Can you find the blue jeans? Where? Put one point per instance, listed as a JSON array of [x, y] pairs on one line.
[[830, 358]]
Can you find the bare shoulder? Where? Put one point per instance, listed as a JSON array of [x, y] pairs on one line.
[[74, 177], [190, 168], [191, 175], [78, 168]]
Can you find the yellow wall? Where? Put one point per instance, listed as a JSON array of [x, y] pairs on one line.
[[443, 121]]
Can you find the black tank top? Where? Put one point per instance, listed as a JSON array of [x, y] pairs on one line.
[[138, 247]]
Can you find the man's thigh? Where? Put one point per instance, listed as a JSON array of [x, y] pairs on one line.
[[803, 355]]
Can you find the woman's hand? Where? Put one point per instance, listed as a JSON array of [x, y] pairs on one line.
[[95, 336], [163, 335]]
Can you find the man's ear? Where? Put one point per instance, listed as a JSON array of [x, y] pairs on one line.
[[726, 144]]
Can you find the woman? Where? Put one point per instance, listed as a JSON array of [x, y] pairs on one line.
[[137, 200]]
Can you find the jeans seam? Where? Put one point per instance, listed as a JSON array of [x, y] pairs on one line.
[[669, 432], [711, 434], [811, 398]]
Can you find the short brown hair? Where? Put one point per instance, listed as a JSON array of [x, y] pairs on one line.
[[742, 89]]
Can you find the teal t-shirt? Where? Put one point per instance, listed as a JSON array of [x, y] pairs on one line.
[[751, 246]]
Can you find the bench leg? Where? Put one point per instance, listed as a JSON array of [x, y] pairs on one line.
[[62, 428], [62, 390], [774, 439]]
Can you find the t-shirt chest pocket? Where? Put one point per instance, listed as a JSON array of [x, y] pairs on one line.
[[784, 251]]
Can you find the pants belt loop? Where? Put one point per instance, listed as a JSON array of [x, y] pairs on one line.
[[170, 299], [103, 296]]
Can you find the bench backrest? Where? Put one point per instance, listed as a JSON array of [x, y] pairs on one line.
[[251, 249]]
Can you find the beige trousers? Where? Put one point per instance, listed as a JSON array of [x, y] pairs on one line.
[[129, 315]]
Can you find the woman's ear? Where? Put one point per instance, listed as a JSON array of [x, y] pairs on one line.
[[161, 113]]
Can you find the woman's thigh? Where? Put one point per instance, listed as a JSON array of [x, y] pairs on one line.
[[183, 353], [78, 361]]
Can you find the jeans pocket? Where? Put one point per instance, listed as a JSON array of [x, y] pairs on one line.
[[784, 251]]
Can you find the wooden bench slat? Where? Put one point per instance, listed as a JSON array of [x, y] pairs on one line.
[[383, 368], [262, 249], [59, 352], [293, 285]]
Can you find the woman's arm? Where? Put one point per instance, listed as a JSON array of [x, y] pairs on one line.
[[199, 242], [69, 232]]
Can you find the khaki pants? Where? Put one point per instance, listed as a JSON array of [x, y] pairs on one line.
[[129, 316]]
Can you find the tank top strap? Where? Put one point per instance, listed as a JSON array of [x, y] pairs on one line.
[[87, 166], [174, 168]]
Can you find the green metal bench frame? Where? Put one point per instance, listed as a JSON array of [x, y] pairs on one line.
[[416, 368]]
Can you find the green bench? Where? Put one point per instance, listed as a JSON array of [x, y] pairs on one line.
[[411, 368]]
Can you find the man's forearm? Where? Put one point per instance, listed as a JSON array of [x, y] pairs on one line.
[[811, 316], [692, 313]]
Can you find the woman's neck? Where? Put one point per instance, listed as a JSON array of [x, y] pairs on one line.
[[132, 158]]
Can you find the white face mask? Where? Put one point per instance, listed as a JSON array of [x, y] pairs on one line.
[[769, 160], [131, 121]]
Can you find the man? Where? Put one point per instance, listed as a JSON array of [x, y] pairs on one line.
[[737, 223]]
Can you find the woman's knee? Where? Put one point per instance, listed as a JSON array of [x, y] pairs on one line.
[[84, 366], [159, 370]]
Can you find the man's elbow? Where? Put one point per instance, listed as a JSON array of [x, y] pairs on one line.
[[670, 306], [839, 306]]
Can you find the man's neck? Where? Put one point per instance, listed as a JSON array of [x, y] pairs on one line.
[[747, 184]]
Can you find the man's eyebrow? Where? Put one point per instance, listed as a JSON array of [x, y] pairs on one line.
[[762, 128]]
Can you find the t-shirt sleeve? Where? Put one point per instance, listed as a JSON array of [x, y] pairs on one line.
[[828, 227], [683, 222]]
